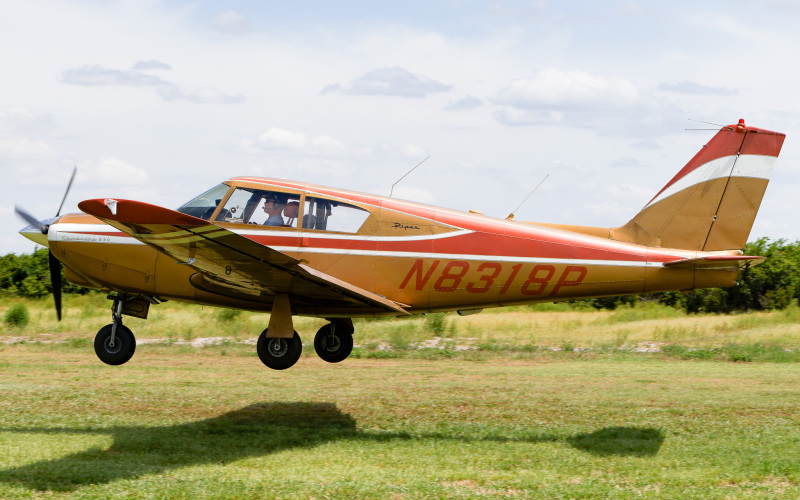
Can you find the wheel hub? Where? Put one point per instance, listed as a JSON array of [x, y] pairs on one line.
[[332, 343], [112, 346], [278, 347]]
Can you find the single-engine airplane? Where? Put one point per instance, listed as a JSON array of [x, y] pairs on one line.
[[292, 248]]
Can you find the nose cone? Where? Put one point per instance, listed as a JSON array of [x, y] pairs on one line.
[[35, 234]]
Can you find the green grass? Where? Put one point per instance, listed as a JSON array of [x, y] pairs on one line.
[[530, 402], [197, 424]]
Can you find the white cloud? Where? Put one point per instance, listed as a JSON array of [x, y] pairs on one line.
[[17, 119], [391, 82], [694, 88], [26, 148], [413, 194], [414, 151], [646, 144], [199, 96], [555, 89], [464, 104], [631, 192], [327, 145], [110, 171], [280, 138], [150, 65], [98, 75], [232, 23]]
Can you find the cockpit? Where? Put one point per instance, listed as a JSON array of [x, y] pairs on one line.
[[250, 205]]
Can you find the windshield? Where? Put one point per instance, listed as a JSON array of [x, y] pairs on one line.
[[204, 205]]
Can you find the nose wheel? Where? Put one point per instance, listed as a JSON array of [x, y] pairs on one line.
[[116, 349], [115, 344], [279, 354], [333, 344]]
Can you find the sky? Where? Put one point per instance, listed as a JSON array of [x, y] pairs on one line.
[[159, 101]]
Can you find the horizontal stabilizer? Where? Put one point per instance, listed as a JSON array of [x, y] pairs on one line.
[[716, 262]]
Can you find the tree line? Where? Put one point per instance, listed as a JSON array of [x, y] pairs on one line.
[[773, 284]]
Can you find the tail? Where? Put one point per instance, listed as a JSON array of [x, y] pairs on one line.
[[712, 202]]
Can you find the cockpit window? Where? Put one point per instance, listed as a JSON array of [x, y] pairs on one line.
[[330, 215], [204, 205], [263, 207]]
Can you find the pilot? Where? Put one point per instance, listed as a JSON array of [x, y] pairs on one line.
[[273, 206]]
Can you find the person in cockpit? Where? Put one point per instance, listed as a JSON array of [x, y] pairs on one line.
[[273, 206]]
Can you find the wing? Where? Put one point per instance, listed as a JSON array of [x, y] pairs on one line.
[[229, 263]]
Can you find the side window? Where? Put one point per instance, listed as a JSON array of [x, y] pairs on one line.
[[255, 206], [330, 215]]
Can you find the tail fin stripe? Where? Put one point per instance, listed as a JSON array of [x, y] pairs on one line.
[[714, 169]]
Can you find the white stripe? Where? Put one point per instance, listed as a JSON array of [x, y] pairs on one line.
[[352, 237], [482, 258], [71, 232], [86, 228], [755, 166], [104, 228], [59, 235]]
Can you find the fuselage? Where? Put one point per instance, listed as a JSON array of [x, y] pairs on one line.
[[425, 257]]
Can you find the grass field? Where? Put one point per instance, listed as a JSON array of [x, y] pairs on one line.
[[516, 420]]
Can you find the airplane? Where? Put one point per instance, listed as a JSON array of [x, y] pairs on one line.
[[298, 249]]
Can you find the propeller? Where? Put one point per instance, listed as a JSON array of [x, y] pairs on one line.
[[44, 226]]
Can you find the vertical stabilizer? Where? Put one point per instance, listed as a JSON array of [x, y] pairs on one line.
[[712, 202]]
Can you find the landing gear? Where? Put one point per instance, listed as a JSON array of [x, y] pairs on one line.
[[333, 343], [114, 344], [279, 354], [116, 349]]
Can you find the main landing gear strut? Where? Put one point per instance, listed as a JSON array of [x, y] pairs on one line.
[[114, 344]]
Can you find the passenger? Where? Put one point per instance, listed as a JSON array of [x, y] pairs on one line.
[[273, 206]]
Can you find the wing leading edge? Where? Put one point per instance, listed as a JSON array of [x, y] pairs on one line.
[[228, 263]]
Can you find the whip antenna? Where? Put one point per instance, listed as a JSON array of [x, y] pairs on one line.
[[401, 178], [707, 123], [511, 215]]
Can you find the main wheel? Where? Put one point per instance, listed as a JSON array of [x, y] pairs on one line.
[[279, 354], [333, 345], [118, 352]]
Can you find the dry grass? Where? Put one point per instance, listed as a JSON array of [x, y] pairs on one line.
[[521, 326]]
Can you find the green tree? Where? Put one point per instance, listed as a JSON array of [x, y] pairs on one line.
[[28, 275]]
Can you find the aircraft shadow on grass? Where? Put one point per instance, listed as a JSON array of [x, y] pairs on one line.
[[256, 430]]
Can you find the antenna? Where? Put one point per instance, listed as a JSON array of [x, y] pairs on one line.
[[511, 215], [401, 178], [707, 123]]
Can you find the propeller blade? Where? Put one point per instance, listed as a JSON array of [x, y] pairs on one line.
[[69, 185], [55, 281], [30, 219]]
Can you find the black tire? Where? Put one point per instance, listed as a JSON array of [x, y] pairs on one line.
[[333, 348], [123, 348], [279, 354]]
